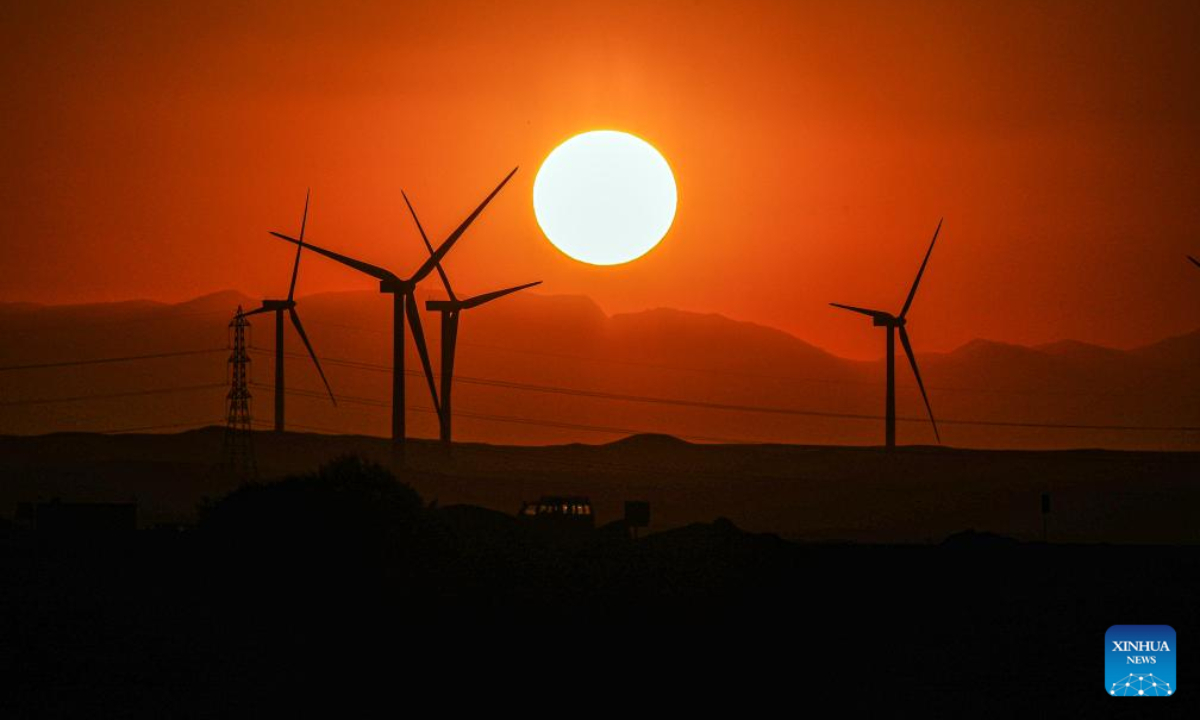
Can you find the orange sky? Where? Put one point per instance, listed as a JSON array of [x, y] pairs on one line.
[[148, 149]]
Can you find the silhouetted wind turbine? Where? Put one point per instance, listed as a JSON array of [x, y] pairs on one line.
[[894, 323], [404, 305], [1194, 261], [278, 307], [449, 310]]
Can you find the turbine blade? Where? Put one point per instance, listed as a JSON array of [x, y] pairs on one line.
[[304, 218], [1194, 261], [414, 319], [311, 352], [454, 236], [862, 311], [300, 246], [488, 297], [362, 267], [429, 247], [262, 309], [913, 292], [912, 360]]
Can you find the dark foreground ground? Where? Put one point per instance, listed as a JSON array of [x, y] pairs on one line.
[[431, 594], [805, 493], [284, 590]]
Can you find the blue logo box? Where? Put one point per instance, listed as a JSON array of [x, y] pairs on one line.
[[1139, 661]]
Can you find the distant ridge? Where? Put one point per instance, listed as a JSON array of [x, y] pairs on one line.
[[216, 300], [649, 441], [556, 369], [682, 322]]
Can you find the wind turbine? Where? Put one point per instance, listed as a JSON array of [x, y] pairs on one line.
[[1194, 261], [449, 310], [289, 305], [404, 306], [895, 323]]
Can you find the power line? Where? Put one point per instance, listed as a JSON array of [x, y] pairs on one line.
[[762, 376], [589, 465], [558, 390], [807, 413], [101, 361], [567, 356], [493, 418], [707, 405], [480, 416], [587, 428], [314, 428], [164, 315], [166, 426], [110, 396], [545, 455], [635, 363]]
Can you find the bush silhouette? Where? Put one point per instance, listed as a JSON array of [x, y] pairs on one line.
[[347, 505]]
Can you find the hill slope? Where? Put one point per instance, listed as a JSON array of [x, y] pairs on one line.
[[544, 369]]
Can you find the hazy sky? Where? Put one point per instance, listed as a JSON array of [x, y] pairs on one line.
[[149, 147]]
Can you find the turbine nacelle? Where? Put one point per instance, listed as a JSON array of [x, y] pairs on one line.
[[443, 305], [879, 318], [272, 305], [396, 286]]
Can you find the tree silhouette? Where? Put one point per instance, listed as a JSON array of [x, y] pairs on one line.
[[348, 511]]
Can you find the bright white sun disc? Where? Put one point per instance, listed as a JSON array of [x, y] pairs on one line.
[[604, 197]]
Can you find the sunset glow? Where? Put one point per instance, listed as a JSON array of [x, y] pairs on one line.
[[340, 330], [605, 197]]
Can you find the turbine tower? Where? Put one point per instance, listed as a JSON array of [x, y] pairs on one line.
[[449, 310], [404, 306], [289, 305], [895, 323]]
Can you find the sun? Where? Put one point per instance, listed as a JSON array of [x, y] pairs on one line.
[[605, 197]]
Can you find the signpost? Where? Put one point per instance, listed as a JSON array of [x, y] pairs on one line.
[[637, 515], [1045, 514]]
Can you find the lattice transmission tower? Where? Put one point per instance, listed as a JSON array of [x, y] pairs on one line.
[[238, 450]]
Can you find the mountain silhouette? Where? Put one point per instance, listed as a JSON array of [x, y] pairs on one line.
[[544, 369]]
